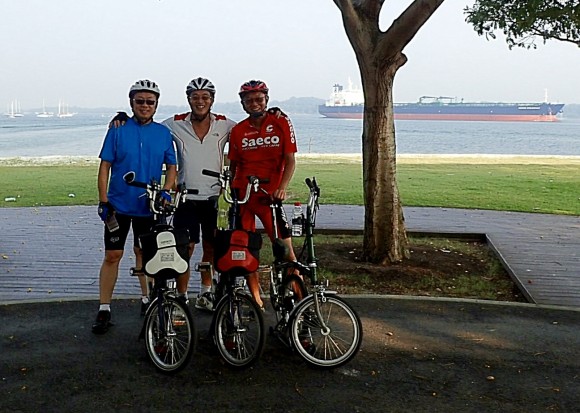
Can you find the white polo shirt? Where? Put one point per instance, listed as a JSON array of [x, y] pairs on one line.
[[195, 154]]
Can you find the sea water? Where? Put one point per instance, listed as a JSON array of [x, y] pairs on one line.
[[82, 135]]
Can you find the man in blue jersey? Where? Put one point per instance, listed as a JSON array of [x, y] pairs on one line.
[[143, 146]]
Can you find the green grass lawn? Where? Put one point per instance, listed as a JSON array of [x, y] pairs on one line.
[[546, 188]]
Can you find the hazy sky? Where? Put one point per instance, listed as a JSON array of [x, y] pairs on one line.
[[90, 52]]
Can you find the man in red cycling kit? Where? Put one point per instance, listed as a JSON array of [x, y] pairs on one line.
[[262, 145]]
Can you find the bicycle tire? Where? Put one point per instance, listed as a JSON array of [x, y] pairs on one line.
[[170, 351], [239, 333], [326, 349]]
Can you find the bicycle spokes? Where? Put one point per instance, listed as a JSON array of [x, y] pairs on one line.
[[238, 331], [170, 335]]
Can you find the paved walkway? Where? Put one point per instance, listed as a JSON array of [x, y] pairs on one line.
[[55, 252], [540, 251]]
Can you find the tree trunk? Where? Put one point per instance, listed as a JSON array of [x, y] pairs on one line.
[[380, 55], [385, 238]]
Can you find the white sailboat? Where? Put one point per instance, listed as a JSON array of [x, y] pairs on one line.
[[63, 110], [10, 110], [14, 110], [17, 109], [44, 113]]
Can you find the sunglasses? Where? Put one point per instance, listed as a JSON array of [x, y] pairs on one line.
[[249, 101], [145, 101]]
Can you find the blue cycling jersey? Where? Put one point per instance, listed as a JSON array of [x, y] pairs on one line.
[[139, 148]]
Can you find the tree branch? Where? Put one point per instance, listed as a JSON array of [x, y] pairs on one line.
[[406, 26], [356, 21]]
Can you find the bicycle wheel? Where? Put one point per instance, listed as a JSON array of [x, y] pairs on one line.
[[239, 330], [331, 347], [170, 335]]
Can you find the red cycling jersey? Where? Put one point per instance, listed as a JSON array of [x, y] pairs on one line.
[[261, 152]]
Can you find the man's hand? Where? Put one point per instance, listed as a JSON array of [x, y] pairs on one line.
[[119, 120], [276, 111], [165, 196], [279, 194], [105, 210]]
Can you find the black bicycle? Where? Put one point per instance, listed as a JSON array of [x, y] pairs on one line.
[[320, 326], [168, 329], [238, 325]]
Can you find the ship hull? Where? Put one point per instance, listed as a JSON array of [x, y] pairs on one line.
[[542, 112]]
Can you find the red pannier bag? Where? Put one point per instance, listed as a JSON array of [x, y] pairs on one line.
[[237, 250]]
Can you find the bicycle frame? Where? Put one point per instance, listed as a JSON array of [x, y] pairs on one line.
[[232, 322], [310, 269], [321, 327], [169, 343], [309, 224], [161, 288], [311, 209]]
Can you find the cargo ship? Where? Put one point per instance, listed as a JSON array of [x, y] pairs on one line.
[[349, 104]]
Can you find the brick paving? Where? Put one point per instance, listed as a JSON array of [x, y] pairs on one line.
[[55, 252]]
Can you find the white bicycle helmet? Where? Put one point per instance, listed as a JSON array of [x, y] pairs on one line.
[[144, 86], [200, 83]]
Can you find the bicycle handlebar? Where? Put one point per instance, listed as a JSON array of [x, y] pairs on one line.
[[152, 190], [214, 173], [312, 200], [225, 179], [129, 179], [312, 185]]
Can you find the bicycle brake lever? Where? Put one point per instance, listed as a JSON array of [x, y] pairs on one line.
[[255, 182]]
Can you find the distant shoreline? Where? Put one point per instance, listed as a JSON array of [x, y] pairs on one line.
[[333, 158]]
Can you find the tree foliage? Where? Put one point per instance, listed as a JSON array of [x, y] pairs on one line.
[[523, 21]]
